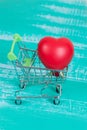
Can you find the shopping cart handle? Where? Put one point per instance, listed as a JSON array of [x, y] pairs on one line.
[[17, 37], [11, 56]]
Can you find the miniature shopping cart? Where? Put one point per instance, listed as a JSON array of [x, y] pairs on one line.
[[31, 71]]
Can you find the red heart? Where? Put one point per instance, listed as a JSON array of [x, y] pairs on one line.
[[55, 53]]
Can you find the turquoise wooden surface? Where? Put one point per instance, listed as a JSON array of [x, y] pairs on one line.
[[34, 20]]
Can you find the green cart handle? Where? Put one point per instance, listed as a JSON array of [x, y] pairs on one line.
[[11, 56]]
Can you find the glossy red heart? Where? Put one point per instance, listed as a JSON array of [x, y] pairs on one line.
[[55, 53]]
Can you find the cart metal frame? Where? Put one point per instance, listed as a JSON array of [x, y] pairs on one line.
[[31, 71]]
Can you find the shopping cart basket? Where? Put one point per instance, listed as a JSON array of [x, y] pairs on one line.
[[31, 71]]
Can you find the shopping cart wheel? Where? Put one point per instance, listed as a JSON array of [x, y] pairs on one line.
[[22, 85], [58, 88], [56, 101], [18, 101]]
